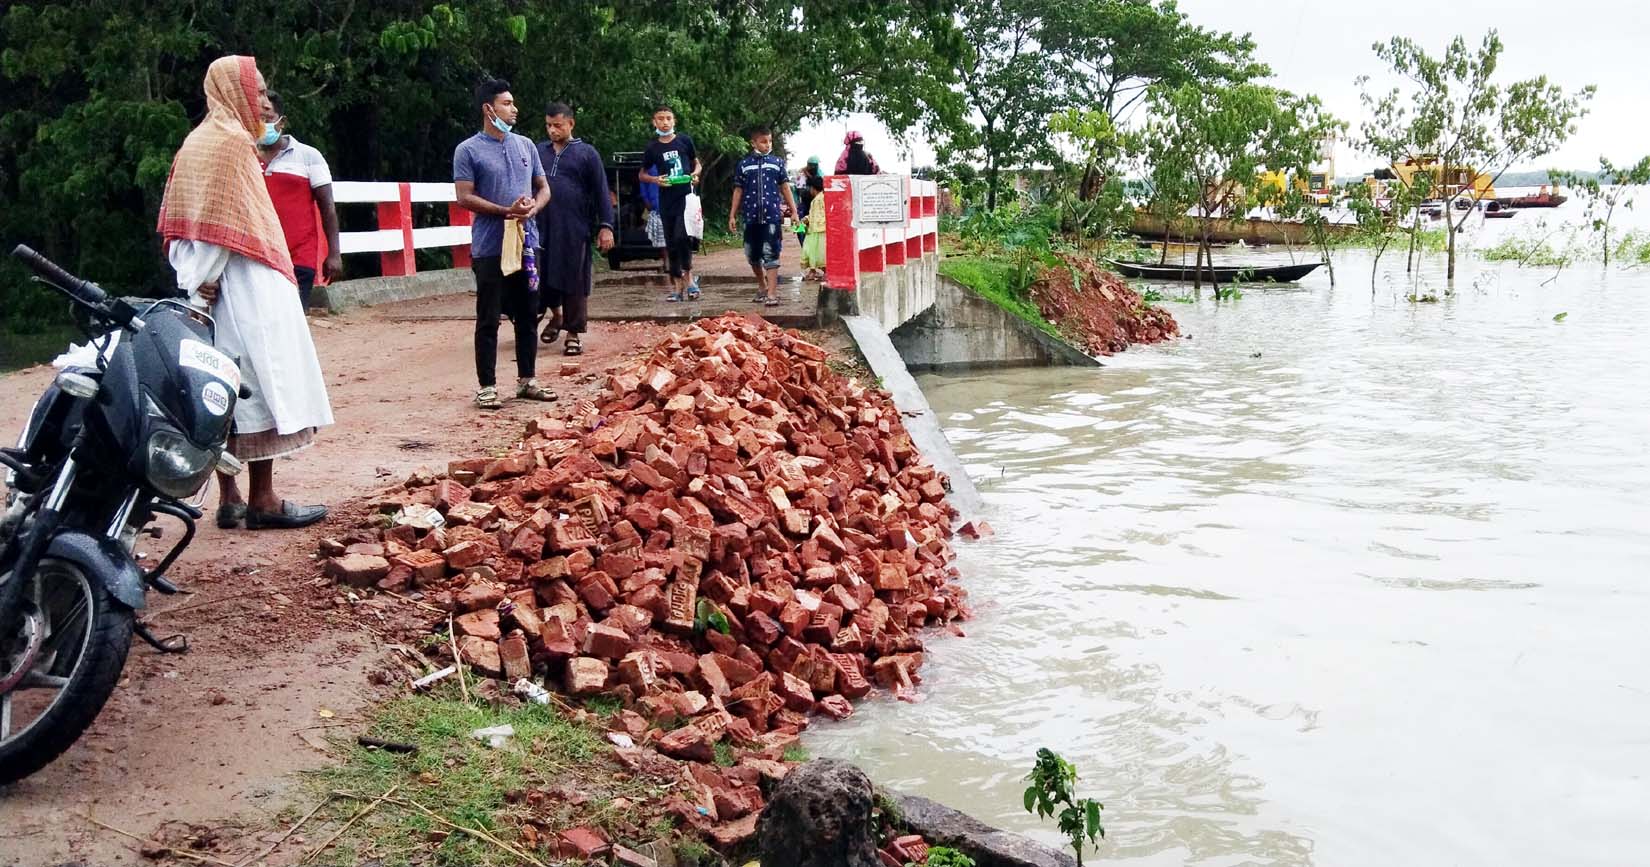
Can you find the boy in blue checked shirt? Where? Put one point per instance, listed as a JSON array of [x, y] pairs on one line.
[[762, 195]]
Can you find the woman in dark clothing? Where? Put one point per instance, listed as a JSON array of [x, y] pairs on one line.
[[854, 159]]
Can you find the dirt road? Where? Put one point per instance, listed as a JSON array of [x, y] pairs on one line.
[[214, 737]]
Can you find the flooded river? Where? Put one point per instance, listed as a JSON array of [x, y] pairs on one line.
[[1339, 580]]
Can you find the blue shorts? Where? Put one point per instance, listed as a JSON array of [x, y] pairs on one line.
[[762, 241]]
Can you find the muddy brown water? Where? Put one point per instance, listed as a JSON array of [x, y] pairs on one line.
[[1340, 580]]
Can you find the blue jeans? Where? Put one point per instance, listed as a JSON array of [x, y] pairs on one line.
[[762, 242]]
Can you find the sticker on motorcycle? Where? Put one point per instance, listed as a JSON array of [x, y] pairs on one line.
[[215, 397], [193, 353]]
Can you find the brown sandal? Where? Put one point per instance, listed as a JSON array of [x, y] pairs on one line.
[[572, 346]]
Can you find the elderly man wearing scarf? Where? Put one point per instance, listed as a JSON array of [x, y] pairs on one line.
[[225, 243]]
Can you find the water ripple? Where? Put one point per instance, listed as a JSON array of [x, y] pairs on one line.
[[1357, 600]]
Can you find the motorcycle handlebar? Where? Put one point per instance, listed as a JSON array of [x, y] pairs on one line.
[[84, 291]]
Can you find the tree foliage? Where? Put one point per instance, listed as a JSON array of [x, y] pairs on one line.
[[95, 96], [1613, 187], [1053, 792], [1451, 107], [1214, 143]]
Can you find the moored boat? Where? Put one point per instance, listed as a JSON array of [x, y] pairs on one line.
[[1544, 199], [1216, 274]]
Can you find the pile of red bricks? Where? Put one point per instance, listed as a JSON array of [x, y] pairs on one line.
[[729, 471]]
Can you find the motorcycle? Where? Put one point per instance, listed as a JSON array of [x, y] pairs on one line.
[[112, 445]]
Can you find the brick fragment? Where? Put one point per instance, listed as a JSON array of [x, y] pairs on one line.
[[512, 653], [482, 654], [689, 743], [357, 570], [585, 675], [481, 624], [835, 706], [585, 843], [607, 642]]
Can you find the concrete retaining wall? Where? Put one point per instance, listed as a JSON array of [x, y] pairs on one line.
[[989, 847], [368, 291], [900, 293], [963, 330]]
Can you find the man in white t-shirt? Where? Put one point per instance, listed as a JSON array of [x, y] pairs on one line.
[[300, 184]]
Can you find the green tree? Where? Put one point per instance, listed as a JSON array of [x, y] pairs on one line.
[[1116, 50], [1450, 107], [1007, 81], [1219, 140], [1378, 224], [1611, 188], [96, 95]]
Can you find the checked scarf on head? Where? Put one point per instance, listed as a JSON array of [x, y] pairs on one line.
[[216, 191]]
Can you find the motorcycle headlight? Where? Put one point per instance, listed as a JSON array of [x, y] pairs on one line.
[[176, 466]]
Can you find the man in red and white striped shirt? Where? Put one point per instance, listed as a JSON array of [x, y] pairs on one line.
[[300, 183]]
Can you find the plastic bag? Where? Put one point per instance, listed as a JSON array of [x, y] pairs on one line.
[[693, 217]]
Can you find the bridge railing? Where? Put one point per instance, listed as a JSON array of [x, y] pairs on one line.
[[853, 250], [850, 250], [396, 240]]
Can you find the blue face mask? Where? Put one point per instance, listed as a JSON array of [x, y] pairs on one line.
[[501, 126], [271, 135], [661, 133]]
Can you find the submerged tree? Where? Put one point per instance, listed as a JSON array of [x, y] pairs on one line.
[[1451, 110], [1611, 188]]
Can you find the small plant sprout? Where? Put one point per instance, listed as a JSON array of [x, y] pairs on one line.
[[1053, 793]]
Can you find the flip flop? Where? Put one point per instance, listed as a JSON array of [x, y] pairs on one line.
[[290, 517]]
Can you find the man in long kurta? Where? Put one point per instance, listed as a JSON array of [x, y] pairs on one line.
[[580, 210], [225, 242]]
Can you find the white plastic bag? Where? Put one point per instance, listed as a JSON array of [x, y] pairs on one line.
[[694, 216]]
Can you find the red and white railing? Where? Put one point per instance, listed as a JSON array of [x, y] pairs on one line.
[[396, 240], [851, 250]]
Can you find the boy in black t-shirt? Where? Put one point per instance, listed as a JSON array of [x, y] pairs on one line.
[[677, 163]]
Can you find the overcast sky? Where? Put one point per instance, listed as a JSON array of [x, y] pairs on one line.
[[1321, 46]]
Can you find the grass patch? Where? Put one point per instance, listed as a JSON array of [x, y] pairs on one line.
[[994, 279], [796, 754], [1525, 251], [604, 706], [517, 793], [724, 754], [18, 351]]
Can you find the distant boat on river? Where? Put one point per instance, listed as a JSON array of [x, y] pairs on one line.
[[1216, 274], [1543, 199]]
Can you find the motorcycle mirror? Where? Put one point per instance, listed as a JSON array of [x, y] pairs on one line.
[[229, 465], [77, 385]]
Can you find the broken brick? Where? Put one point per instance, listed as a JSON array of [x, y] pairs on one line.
[[512, 653], [357, 570], [586, 676]]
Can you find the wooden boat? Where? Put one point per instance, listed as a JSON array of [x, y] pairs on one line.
[[1254, 232], [1217, 274]]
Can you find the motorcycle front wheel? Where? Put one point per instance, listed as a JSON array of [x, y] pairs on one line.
[[64, 660]]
